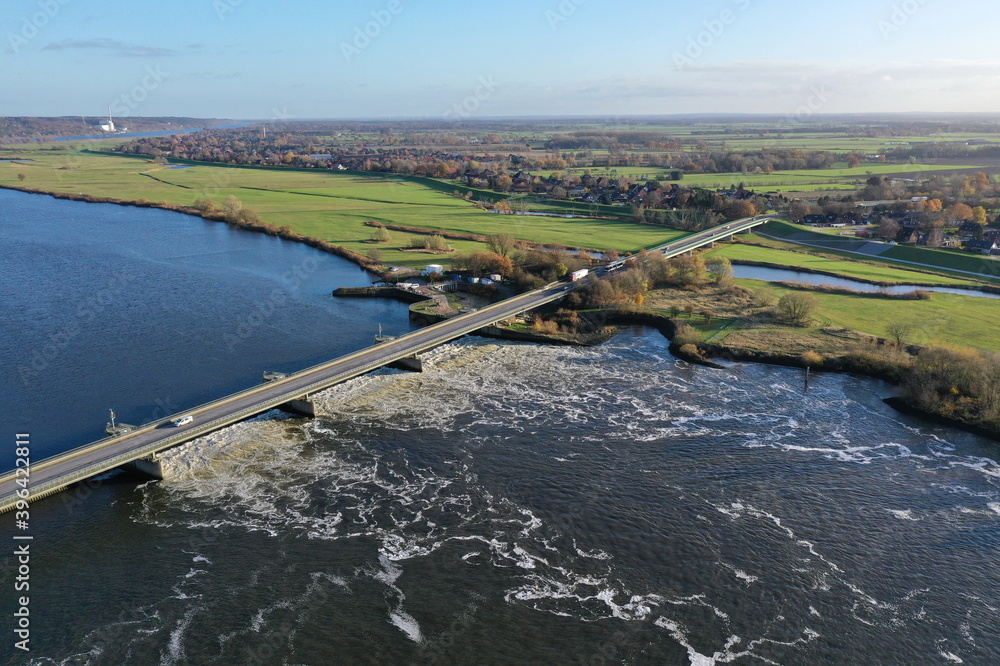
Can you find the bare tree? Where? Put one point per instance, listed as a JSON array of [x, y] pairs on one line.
[[888, 229], [232, 207], [898, 332], [719, 267], [502, 244]]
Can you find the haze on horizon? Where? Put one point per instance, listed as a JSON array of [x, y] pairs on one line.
[[463, 60]]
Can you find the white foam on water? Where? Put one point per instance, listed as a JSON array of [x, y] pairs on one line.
[[407, 625], [388, 574], [740, 574], [271, 472], [728, 653], [904, 515], [175, 652]]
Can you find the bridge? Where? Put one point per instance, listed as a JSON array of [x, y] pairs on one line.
[[141, 445], [710, 236]]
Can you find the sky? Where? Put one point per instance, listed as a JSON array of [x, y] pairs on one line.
[[459, 59]]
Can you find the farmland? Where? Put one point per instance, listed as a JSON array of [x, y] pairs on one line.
[[945, 320], [954, 260], [336, 206], [846, 268], [325, 205]]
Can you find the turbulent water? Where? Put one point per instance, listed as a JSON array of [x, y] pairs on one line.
[[513, 503], [524, 504]]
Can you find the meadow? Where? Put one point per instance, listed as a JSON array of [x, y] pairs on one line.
[[842, 180], [946, 320], [327, 205], [842, 267], [792, 235]]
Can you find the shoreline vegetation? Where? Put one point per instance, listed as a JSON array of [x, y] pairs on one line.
[[248, 221], [943, 385]]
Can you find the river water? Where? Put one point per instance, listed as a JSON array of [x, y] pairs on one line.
[[769, 274], [525, 504]]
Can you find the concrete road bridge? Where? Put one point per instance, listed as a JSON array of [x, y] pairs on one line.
[[138, 448]]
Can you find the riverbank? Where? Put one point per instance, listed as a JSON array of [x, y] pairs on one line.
[[284, 233], [768, 344], [985, 288]]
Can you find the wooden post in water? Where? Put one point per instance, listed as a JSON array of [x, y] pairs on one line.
[[809, 359]]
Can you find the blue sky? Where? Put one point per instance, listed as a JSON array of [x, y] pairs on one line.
[[462, 59]]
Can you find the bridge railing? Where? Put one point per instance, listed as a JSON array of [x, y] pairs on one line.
[[686, 243], [725, 230], [192, 433], [197, 431]]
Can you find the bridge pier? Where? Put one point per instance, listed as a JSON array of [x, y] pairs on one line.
[[302, 406], [146, 467], [410, 363]]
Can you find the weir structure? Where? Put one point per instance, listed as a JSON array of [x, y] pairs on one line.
[[137, 449]]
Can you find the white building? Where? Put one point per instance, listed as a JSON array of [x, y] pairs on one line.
[[106, 125]]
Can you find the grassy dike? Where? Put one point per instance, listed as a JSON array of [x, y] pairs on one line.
[[785, 235], [330, 211], [324, 206]]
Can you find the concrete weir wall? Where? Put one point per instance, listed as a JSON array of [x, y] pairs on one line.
[[410, 363], [146, 467], [302, 406]]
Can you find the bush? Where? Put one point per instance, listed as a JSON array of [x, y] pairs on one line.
[[764, 297], [381, 235], [545, 326], [887, 363], [811, 359], [796, 307], [205, 205], [437, 243], [689, 350], [685, 334]]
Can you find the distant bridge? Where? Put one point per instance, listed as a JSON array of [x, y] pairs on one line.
[[139, 447], [710, 236]]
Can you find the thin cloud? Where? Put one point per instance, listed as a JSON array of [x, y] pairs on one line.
[[114, 46], [772, 87], [209, 76]]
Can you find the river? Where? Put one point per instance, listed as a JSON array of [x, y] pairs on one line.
[[514, 503], [770, 274]]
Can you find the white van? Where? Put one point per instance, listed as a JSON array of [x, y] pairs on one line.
[[184, 420]]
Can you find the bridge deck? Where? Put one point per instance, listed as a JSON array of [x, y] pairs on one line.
[[55, 473]]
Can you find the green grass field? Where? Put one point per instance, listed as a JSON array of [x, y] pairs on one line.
[[946, 320], [935, 258], [780, 181], [848, 269], [327, 205]]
